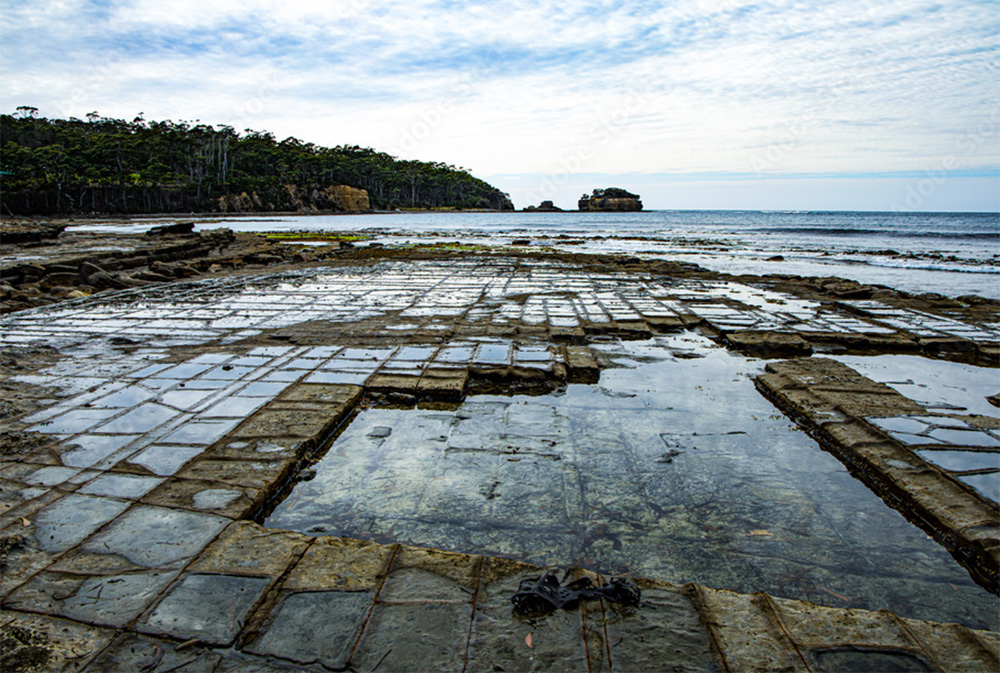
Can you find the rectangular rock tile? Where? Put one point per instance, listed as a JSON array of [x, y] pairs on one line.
[[414, 353], [248, 548], [338, 378], [990, 641], [666, 622], [211, 608], [185, 399], [455, 354], [234, 407], [861, 403], [958, 437], [140, 420], [201, 432], [431, 575], [287, 423], [533, 354], [443, 384], [282, 376], [89, 450], [376, 354], [397, 635], [161, 459], [268, 389], [126, 397], [74, 421], [124, 486], [158, 384], [153, 537], [498, 641], [340, 563], [987, 485], [149, 370], [398, 383], [913, 440], [232, 502], [112, 600], [273, 448], [131, 652], [270, 351], [817, 626], [498, 637], [213, 358], [353, 366], [42, 476], [960, 461], [186, 370], [314, 627], [303, 363], [255, 474], [228, 373], [200, 385], [746, 633], [905, 424], [69, 520], [953, 646], [943, 421]]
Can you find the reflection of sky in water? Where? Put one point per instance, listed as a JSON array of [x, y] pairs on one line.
[[935, 383], [987, 484], [672, 467]]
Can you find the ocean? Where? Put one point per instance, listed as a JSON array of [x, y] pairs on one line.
[[952, 254]]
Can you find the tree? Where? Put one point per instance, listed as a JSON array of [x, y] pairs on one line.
[[111, 165]]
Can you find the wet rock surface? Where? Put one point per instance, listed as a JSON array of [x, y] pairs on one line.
[[65, 266], [872, 428], [516, 388]]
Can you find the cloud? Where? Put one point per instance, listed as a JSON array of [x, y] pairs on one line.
[[774, 87]]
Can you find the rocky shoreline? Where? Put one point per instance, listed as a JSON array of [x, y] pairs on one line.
[[164, 392]]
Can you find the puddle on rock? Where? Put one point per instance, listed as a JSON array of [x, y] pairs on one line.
[[953, 392], [947, 387], [672, 468]]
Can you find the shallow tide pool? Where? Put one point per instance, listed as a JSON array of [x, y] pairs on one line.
[[672, 467]]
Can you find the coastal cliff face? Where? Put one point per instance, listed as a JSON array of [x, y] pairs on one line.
[[342, 198], [312, 198], [496, 201], [611, 199]]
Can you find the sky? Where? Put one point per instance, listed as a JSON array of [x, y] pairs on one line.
[[701, 104]]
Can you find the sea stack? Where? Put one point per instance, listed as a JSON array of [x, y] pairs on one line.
[[610, 199], [544, 207]]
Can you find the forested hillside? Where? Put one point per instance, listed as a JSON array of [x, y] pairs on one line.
[[102, 165]]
